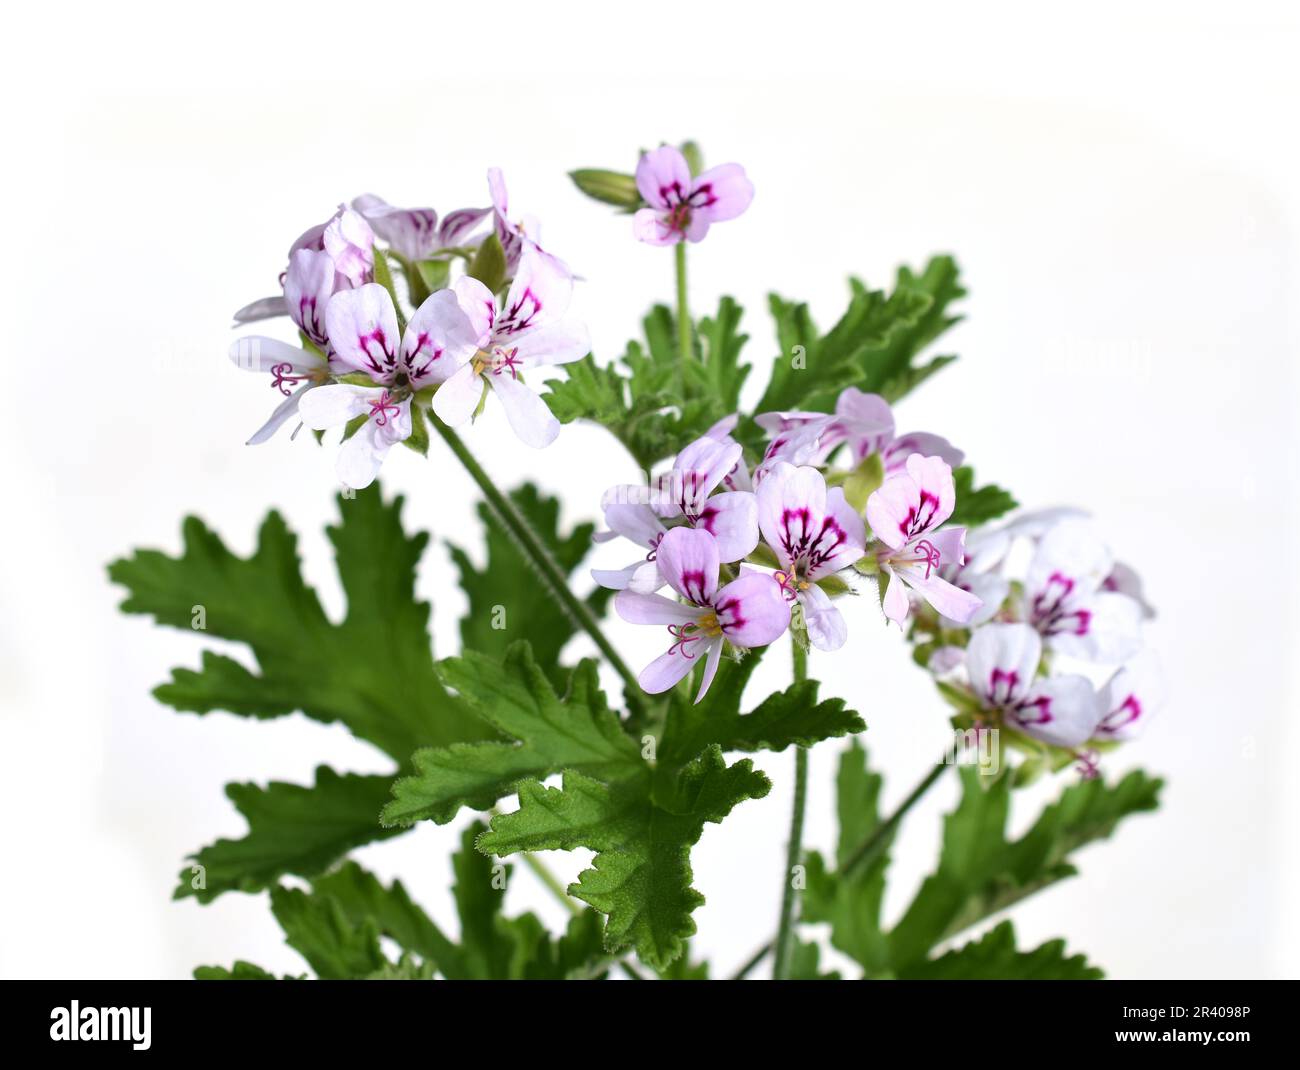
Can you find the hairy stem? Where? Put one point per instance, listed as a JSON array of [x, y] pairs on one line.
[[794, 851], [867, 851], [537, 552], [685, 350]]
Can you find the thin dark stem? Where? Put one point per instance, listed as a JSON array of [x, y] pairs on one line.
[[867, 851], [794, 851], [537, 552]]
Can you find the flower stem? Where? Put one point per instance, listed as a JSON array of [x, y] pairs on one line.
[[794, 852], [537, 552], [685, 350], [867, 851]]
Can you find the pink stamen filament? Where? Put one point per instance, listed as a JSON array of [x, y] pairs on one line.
[[383, 409], [684, 634], [282, 376], [929, 554]]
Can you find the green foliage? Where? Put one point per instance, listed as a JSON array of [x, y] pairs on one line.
[[874, 345], [978, 506], [995, 958], [291, 830], [641, 875], [506, 599], [651, 400], [373, 671], [980, 873], [489, 264], [544, 734]]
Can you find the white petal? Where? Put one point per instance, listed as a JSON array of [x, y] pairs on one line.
[[529, 416], [458, 397]]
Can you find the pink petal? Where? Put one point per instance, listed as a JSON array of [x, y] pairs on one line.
[[722, 193], [892, 510], [667, 669], [362, 328], [478, 304], [530, 417], [663, 177], [1129, 699], [1060, 710], [938, 495], [458, 397], [712, 659], [287, 409], [752, 610], [308, 286], [688, 560], [895, 603], [560, 343], [651, 226], [948, 600], [1002, 660], [264, 308], [412, 232], [255, 353], [697, 471], [791, 509], [438, 339], [638, 607], [732, 519], [897, 452], [539, 295]]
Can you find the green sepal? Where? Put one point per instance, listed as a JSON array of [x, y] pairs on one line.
[[489, 264], [608, 187], [863, 481], [384, 276], [418, 439]]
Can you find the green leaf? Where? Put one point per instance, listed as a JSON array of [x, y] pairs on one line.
[[506, 600], [650, 399], [641, 875], [489, 264], [363, 899], [316, 927], [291, 829], [545, 734], [873, 346], [384, 276], [418, 439], [805, 964], [608, 187], [373, 671], [241, 971], [995, 958], [792, 717], [975, 507], [980, 872]]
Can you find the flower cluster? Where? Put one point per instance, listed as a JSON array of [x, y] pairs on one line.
[[1067, 599], [785, 536], [360, 368]]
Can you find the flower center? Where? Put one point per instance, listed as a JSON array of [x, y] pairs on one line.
[[498, 360]]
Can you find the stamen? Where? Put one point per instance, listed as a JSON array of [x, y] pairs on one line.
[[1088, 760], [654, 546], [685, 635], [383, 409], [281, 372], [787, 583], [929, 554]]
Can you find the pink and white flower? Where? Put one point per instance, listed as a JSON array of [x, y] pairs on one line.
[[1129, 699], [906, 514], [683, 207], [515, 235], [344, 241], [748, 612], [683, 494], [1065, 600], [1002, 662], [814, 534], [293, 371], [864, 421], [527, 333], [362, 326], [414, 233]]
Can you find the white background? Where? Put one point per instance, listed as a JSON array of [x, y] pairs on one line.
[[1121, 187]]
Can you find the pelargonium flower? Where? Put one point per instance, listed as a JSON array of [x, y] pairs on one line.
[[346, 240], [1065, 602], [747, 612], [526, 333], [681, 206], [1129, 698], [293, 372], [814, 534], [906, 514], [414, 233], [684, 494], [362, 326], [864, 421], [1002, 661], [515, 235]]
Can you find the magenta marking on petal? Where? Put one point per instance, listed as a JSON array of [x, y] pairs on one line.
[[729, 615], [1041, 708], [1007, 679], [808, 551], [693, 586], [1125, 713]]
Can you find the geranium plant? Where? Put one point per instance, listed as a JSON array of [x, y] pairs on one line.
[[745, 536]]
